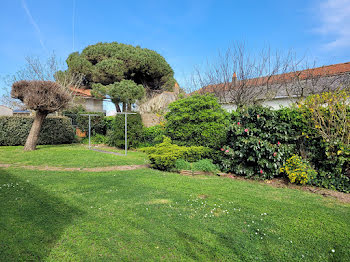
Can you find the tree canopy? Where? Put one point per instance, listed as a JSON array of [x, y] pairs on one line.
[[43, 97], [105, 65]]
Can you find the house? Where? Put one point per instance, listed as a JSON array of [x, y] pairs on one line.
[[84, 97], [152, 110], [280, 90], [22, 112]]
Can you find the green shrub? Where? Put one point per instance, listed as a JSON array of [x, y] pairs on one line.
[[332, 167], [95, 140], [153, 135], [14, 131], [164, 155], [298, 170], [109, 120], [181, 164], [197, 120], [116, 135], [326, 137], [205, 165], [257, 143]]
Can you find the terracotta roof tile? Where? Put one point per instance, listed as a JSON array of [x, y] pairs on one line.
[[330, 70], [81, 92]]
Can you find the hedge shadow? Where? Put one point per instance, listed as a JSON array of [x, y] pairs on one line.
[[32, 221]]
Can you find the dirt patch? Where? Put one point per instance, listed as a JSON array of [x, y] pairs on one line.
[[284, 183], [87, 169], [202, 196]]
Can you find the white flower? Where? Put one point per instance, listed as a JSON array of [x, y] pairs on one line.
[[333, 250]]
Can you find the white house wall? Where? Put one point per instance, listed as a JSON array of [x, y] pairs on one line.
[[5, 111], [274, 104], [90, 104]]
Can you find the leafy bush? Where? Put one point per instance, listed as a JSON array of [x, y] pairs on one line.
[[327, 137], [181, 164], [153, 135], [205, 165], [298, 170], [329, 116], [197, 120], [333, 169], [95, 140], [109, 120], [116, 135], [257, 143], [14, 130], [164, 155]]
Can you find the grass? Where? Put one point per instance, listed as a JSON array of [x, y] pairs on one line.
[[150, 215], [75, 155]]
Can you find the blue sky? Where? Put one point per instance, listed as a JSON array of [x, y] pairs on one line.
[[186, 33]]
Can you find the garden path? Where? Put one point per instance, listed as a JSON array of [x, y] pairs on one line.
[[87, 169]]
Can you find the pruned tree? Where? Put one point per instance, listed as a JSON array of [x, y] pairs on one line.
[[105, 65], [39, 88], [241, 77], [43, 97]]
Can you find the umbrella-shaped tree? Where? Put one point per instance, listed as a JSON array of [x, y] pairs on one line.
[[117, 71], [43, 97]]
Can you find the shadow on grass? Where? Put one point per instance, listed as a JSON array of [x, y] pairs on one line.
[[31, 220]]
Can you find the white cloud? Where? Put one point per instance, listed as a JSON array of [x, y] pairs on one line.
[[34, 24], [334, 18]]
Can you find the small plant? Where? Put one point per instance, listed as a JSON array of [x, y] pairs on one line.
[[164, 155], [95, 140], [182, 164], [205, 165], [298, 170]]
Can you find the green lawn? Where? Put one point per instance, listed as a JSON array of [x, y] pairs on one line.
[[150, 215], [75, 155]]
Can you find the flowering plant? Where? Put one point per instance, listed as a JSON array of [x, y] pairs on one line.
[[256, 147], [298, 170]]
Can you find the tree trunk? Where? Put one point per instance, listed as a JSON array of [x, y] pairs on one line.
[[33, 136], [129, 107], [117, 107], [124, 107]]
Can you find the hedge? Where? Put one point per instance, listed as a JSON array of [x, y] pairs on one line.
[[14, 130]]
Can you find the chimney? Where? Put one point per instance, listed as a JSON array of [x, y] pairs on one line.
[[234, 79]]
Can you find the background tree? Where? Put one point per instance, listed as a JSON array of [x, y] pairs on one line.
[[104, 65], [241, 77], [43, 97], [307, 79]]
